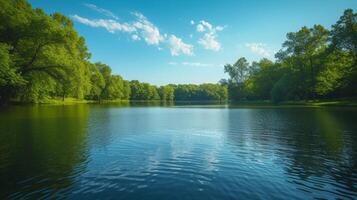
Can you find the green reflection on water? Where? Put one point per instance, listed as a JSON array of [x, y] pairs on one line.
[[40, 142]]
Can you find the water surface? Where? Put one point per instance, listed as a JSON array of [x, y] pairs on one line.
[[178, 152]]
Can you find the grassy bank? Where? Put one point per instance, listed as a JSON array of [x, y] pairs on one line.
[[324, 103], [315, 103], [69, 101]]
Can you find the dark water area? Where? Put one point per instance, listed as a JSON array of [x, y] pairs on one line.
[[177, 152]]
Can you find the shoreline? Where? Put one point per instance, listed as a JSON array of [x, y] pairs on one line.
[[261, 103]]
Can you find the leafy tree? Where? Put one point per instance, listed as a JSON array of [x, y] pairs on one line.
[[344, 39], [166, 93], [143, 91], [212, 92], [344, 33], [203, 92], [115, 88], [97, 83], [301, 53], [237, 72], [10, 80], [332, 80], [261, 82], [126, 90], [43, 48]]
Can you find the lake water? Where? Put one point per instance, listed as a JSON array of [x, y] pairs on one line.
[[177, 152]]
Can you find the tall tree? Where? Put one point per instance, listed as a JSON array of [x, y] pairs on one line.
[[238, 72], [301, 53], [344, 39]]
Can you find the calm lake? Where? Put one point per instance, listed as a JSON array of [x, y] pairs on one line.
[[177, 152]]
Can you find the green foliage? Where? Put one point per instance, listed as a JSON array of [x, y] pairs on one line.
[[213, 92], [344, 38], [115, 88], [45, 51], [303, 54], [313, 63], [10, 80], [334, 79], [143, 91], [126, 90], [260, 83], [167, 93], [97, 83], [344, 32], [280, 89], [203, 92], [238, 72]]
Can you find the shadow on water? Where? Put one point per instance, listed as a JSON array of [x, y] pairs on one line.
[[42, 149]]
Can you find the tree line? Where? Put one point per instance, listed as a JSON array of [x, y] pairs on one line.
[[43, 57], [314, 63]]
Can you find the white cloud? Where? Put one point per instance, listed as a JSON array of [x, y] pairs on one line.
[[109, 24], [259, 48], [101, 10], [148, 31], [206, 24], [209, 39], [193, 64], [196, 64], [140, 29], [200, 28], [177, 46], [192, 22], [143, 27]]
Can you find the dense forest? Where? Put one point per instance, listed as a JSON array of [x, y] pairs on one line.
[[43, 57]]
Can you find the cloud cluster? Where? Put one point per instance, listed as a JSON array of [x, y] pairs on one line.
[[259, 48], [209, 38], [196, 64], [110, 25], [140, 28], [177, 46], [147, 30]]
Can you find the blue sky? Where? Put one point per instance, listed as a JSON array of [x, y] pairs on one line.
[[182, 41]]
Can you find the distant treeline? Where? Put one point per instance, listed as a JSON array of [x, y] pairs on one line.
[[43, 57], [314, 63]]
